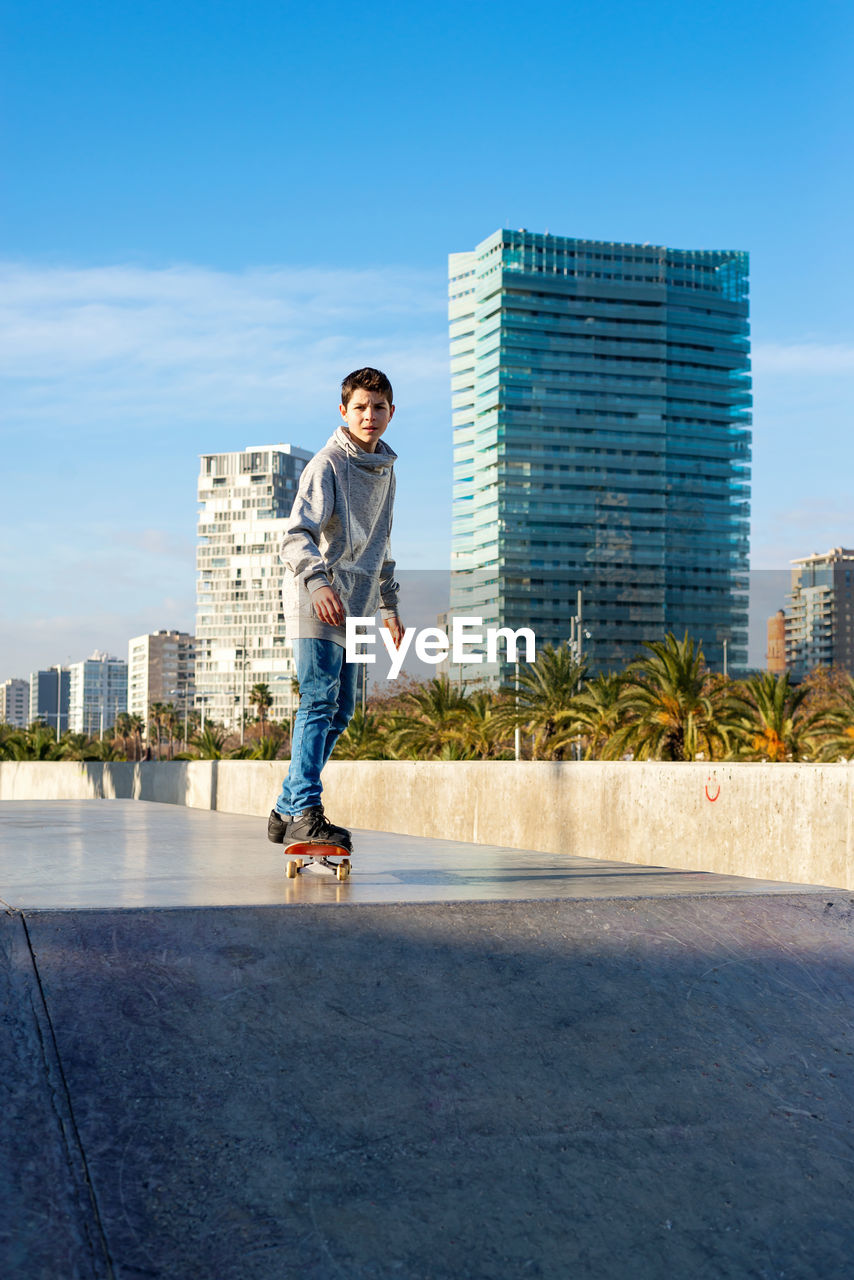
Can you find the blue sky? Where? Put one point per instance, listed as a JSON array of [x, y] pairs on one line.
[[214, 210]]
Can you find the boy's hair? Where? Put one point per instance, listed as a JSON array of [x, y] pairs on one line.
[[368, 380]]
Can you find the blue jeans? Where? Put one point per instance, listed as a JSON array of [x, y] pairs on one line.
[[327, 686]]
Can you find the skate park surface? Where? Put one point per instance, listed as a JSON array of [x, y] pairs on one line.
[[465, 1061]]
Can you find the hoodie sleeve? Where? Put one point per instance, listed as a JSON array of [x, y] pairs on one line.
[[311, 512], [389, 589]]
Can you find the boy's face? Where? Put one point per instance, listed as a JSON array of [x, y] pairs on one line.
[[366, 417]]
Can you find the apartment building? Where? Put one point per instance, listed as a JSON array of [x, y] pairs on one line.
[[240, 634]]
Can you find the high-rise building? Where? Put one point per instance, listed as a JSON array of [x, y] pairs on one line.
[[240, 633], [15, 703], [820, 617], [601, 411], [50, 692], [161, 668], [98, 691]]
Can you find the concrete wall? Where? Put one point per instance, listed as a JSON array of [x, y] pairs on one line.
[[782, 821]]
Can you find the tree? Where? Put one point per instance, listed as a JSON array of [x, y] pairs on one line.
[[596, 711], [481, 734], [136, 726], [837, 741], [156, 714], [543, 705], [363, 739], [427, 718], [36, 743], [209, 744], [267, 748], [122, 730], [76, 746], [104, 749], [11, 741], [261, 697], [172, 724], [775, 723], [671, 707]]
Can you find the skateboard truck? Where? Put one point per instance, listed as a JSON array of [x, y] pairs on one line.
[[334, 857]]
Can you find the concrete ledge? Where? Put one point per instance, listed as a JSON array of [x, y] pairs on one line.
[[788, 822]]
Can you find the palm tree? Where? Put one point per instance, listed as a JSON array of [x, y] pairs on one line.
[[481, 734], [122, 730], [36, 743], [136, 728], [103, 749], [209, 745], [544, 702], [363, 739], [775, 723], [596, 710], [671, 707], [76, 746], [156, 714], [266, 748], [172, 725], [261, 697], [426, 718], [838, 738], [11, 740]]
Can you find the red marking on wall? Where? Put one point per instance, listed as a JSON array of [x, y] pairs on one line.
[[716, 787]]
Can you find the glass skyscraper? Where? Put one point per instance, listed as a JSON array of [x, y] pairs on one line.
[[601, 411]]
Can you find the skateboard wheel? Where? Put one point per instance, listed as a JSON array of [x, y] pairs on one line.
[[343, 872], [292, 870]]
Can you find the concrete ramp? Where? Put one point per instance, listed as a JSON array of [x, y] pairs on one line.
[[653, 1085]]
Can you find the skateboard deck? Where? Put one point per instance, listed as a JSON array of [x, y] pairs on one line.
[[333, 857]]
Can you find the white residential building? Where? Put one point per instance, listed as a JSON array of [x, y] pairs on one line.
[[15, 703], [819, 624], [98, 692], [240, 633], [161, 668]]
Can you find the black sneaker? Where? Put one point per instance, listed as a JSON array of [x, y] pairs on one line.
[[277, 825], [312, 827]]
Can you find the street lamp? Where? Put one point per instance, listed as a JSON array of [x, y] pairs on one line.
[[517, 734], [58, 701]]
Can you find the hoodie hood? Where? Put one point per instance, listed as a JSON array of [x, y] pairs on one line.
[[382, 457]]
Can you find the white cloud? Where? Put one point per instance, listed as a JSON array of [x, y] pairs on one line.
[[125, 346], [812, 523], [116, 377], [816, 358]]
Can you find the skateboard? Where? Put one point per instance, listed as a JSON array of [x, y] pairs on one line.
[[301, 854]]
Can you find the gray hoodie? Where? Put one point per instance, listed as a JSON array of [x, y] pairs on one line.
[[337, 535]]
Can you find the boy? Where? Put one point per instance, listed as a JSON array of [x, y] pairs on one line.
[[337, 559]]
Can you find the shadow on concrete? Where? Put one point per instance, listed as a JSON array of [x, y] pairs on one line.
[[175, 784], [635, 1088]]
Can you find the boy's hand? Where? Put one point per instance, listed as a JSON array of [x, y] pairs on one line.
[[395, 626], [328, 606]]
